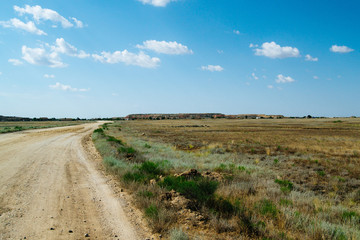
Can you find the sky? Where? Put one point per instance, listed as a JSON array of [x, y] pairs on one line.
[[92, 58]]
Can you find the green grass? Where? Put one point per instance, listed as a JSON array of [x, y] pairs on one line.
[[285, 185], [267, 208]]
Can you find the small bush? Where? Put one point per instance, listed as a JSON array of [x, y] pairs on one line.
[[321, 173], [286, 186], [199, 189], [178, 234], [276, 161], [126, 150], [146, 171], [147, 145], [150, 168], [99, 130], [267, 208], [152, 211], [115, 140], [241, 168]]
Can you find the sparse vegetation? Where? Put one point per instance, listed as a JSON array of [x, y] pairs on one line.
[[8, 127], [315, 194]]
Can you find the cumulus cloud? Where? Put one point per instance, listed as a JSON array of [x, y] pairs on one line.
[[273, 50], [315, 77], [172, 48], [59, 86], [78, 23], [253, 45], [270, 86], [212, 68], [16, 23], [157, 3], [0, 73], [237, 32], [39, 56], [254, 76], [39, 13], [15, 62], [129, 58], [340, 49], [282, 79], [50, 56], [308, 57], [49, 76], [61, 46]]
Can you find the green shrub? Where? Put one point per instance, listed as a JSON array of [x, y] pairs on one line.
[[150, 168], [99, 130], [241, 168], [286, 186], [152, 212], [126, 150], [199, 189], [115, 140], [147, 145], [267, 208], [146, 171], [321, 173], [276, 161]]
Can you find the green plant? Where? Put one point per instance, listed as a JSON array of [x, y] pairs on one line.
[[152, 211], [99, 130], [285, 185], [286, 202], [276, 161], [147, 145], [241, 168], [178, 234], [321, 173], [267, 208], [199, 189], [115, 140]]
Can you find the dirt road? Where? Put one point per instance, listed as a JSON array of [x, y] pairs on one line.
[[51, 187]]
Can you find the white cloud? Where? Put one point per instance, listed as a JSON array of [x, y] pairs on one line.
[[15, 62], [212, 68], [273, 50], [254, 76], [0, 73], [49, 76], [282, 79], [172, 48], [340, 49], [128, 58], [253, 45], [59, 86], [40, 13], [51, 56], [61, 46], [220, 51], [308, 57], [315, 77], [157, 3], [16, 23], [78, 23], [270, 86], [237, 32], [39, 56]]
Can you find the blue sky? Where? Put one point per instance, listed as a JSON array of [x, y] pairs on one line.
[[112, 58]]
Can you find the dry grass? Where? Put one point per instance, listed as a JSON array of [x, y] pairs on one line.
[[6, 127], [286, 179]]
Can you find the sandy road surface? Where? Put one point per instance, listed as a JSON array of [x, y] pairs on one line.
[[51, 188]]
